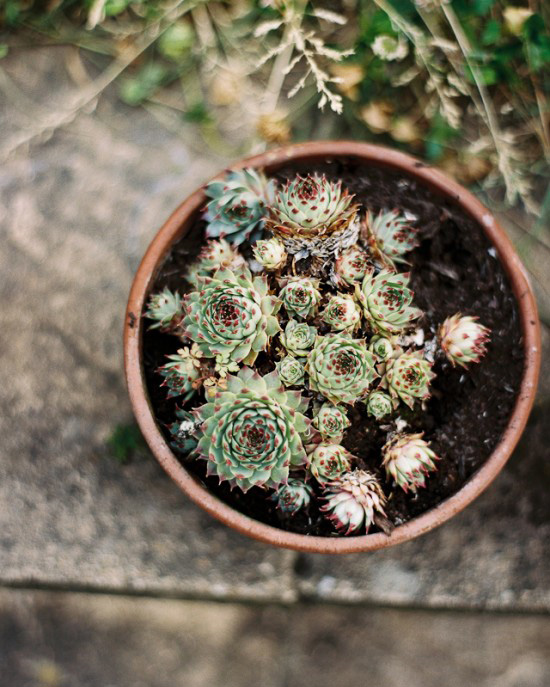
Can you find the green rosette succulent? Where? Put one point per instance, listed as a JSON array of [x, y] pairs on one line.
[[382, 347], [386, 302], [291, 371], [251, 431], [271, 254], [331, 422], [213, 256], [352, 266], [390, 236], [313, 215], [341, 313], [408, 459], [238, 205], [340, 368], [329, 461], [292, 496], [352, 501], [463, 339], [408, 377], [298, 337], [232, 316], [379, 404], [300, 296], [165, 309], [180, 374]]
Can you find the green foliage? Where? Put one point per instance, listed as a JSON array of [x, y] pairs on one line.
[[125, 442]]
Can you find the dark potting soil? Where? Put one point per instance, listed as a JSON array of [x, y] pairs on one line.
[[454, 269]]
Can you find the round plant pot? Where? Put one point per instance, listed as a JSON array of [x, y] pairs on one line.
[[179, 223]]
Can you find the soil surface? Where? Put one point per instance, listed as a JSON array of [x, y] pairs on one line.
[[454, 269]]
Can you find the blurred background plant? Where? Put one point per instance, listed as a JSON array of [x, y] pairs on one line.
[[462, 83]]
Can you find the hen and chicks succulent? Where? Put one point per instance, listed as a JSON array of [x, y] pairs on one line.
[[296, 330]]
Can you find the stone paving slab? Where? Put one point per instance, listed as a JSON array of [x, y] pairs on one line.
[[84, 640], [76, 214]]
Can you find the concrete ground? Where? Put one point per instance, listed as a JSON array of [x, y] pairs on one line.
[[77, 210]]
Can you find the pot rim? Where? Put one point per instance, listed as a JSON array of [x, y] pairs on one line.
[[175, 226]]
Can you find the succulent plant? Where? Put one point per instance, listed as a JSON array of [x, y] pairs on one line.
[[300, 296], [331, 422], [329, 461], [313, 216], [183, 431], [352, 501], [298, 337], [382, 347], [463, 339], [292, 496], [352, 265], [232, 316], [379, 404], [386, 302], [408, 376], [390, 236], [251, 432], [408, 459], [341, 313], [291, 371], [237, 206], [215, 254], [181, 373], [270, 253], [166, 309], [340, 368]]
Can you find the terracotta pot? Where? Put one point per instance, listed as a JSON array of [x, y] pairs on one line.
[[179, 223]]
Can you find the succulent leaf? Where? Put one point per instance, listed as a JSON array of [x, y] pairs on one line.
[[341, 313], [300, 296], [329, 461], [298, 337], [181, 373], [352, 501], [251, 432], [352, 266], [166, 309], [382, 347], [237, 206], [291, 371], [408, 459], [379, 404], [386, 302], [231, 316], [331, 421], [340, 368], [408, 377], [463, 339], [270, 253], [292, 496], [313, 215], [214, 255], [390, 236]]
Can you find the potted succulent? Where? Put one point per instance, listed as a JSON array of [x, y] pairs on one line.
[[311, 337]]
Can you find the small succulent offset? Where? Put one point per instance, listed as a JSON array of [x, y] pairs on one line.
[[390, 236], [298, 337], [340, 368], [313, 216], [165, 309], [341, 313], [232, 316], [386, 301], [408, 377], [268, 367], [270, 253], [463, 339], [331, 422], [293, 496], [237, 207], [300, 296], [353, 500], [252, 431], [408, 459], [291, 371], [329, 461]]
